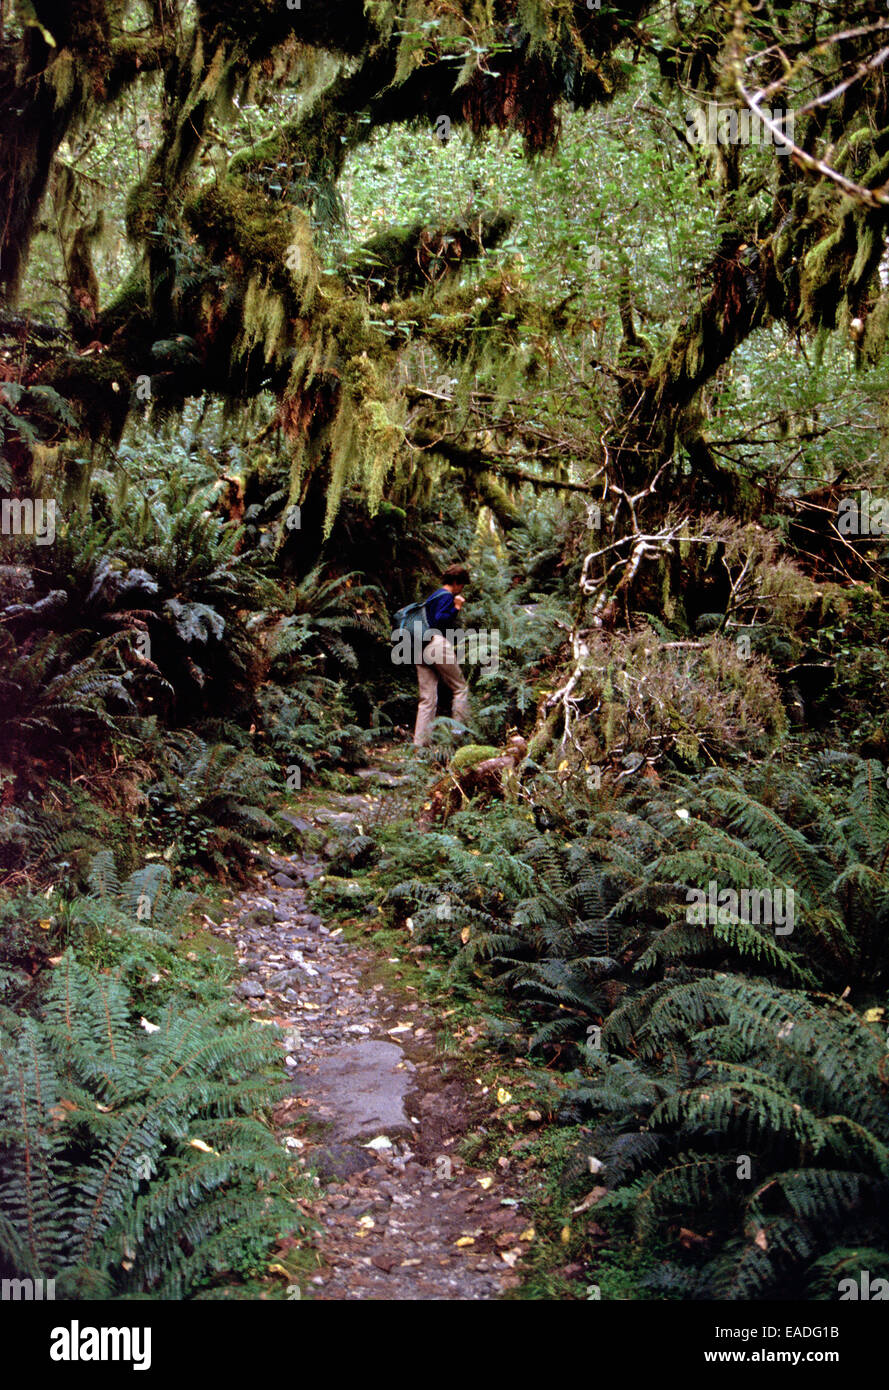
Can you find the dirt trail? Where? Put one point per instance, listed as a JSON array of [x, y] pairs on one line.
[[376, 1112]]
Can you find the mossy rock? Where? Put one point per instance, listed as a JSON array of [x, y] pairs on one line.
[[471, 755], [338, 893]]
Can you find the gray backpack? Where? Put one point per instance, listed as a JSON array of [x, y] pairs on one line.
[[412, 618]]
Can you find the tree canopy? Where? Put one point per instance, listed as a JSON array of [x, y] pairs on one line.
[[224, 143]]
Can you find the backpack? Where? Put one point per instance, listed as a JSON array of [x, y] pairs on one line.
[[412, 618]]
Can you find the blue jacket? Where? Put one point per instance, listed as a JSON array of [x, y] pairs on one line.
[[441, 610]]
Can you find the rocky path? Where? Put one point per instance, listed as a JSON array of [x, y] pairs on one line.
[[376, 1112]]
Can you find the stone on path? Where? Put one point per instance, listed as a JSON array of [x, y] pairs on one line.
[[335, 1162], [364, 1086]]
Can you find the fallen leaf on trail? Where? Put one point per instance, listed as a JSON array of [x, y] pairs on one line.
[[503, 1096], [565, 1235], [204, 1148], [509, 1257], [528, 1234], [279, 1269], [465, 1240], [869, 1015], [45, 923], [381, 1142], [485, 1182], [534, 1116], [465, 935], [366, 1223], [594, 1195]]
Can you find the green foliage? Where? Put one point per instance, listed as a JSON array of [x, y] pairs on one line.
[[152, 609], [32, 416], [693, 704], [135, 1161], [56, 689], [751, 1111], [698, 1044], [145, 614], [308, 720], [209, 804], [61, 832], [619, 900]]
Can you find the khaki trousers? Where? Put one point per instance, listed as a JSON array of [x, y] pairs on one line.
[[439, 660]]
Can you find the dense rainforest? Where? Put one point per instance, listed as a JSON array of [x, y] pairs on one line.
[[302, 303]]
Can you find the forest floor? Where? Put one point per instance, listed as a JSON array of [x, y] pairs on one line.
[[380, 1109]]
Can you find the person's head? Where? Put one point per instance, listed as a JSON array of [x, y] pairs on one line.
[[455, 578]]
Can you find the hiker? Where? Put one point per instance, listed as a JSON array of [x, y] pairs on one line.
[[438, 657]]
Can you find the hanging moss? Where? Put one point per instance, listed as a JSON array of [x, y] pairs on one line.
[[49, 91], [364, 439]]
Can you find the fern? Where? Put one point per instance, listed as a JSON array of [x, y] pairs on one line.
[[211, 803], [133, 1162]]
